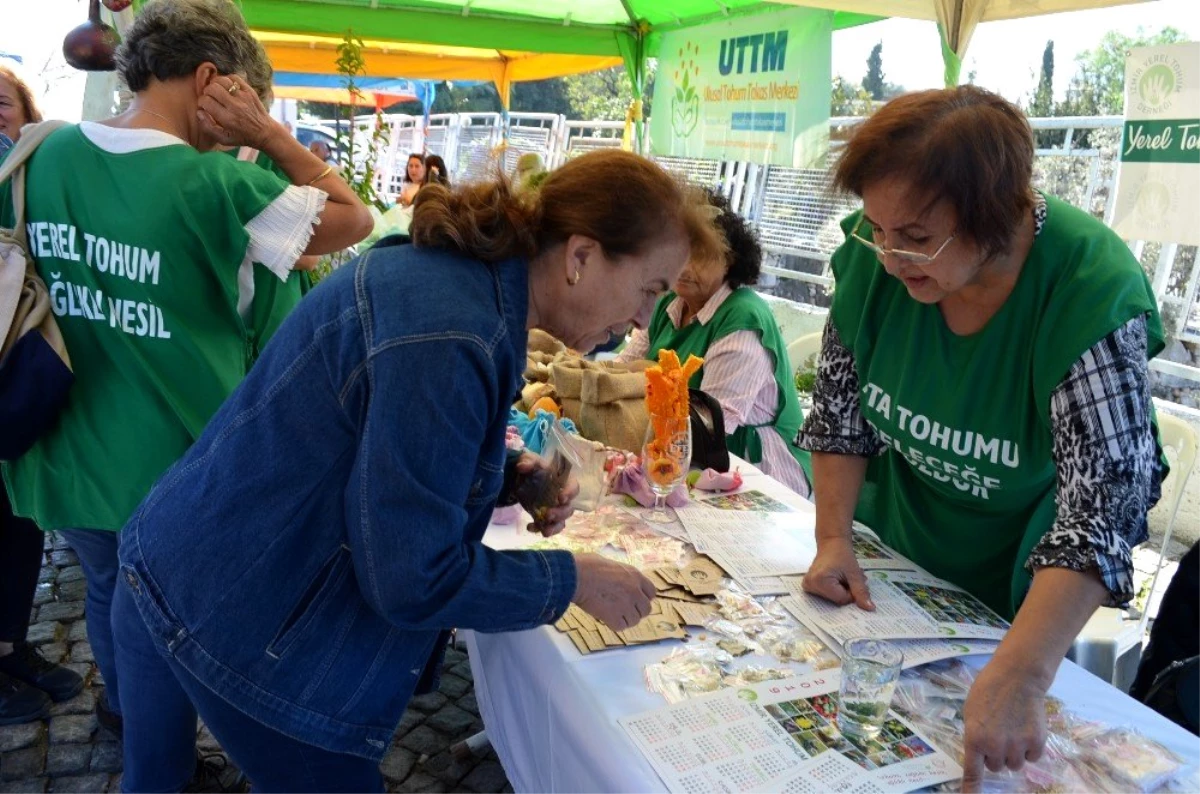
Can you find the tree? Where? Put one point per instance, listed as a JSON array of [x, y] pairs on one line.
[[1043, 97], [541, 96], [1098, 87], [848, 99], [873, 81], [605, 95]]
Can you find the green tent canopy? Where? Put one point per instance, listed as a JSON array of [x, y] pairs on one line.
[[499, 40]]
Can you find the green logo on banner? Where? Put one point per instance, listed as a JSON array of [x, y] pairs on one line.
[[685, 105], [1155, 82], [1156, 86], [1153, 200]]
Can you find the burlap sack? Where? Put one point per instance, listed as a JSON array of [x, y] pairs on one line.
[[606, 400], [541, 342], [537, 366], [566, 376]]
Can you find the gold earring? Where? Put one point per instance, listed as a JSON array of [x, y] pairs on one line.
[[573, 280]]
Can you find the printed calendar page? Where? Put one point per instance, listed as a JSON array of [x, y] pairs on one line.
[[782, 736]]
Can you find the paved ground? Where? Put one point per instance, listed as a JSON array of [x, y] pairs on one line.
[[69, 753]]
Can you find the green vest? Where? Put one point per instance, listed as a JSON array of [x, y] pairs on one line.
[[743, 310], [273, 299], [966, 487], [140, 253]]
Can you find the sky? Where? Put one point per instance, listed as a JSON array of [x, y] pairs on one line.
[[1005, 55]]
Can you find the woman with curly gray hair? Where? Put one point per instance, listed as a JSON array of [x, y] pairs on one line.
[[145, 238]]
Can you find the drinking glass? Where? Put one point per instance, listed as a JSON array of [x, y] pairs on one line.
[[666, 456], [870, 669]]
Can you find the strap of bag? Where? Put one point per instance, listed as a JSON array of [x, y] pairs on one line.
[[13, 271], [32, 136]]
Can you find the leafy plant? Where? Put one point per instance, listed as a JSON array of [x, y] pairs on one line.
[[806, 376], [357, 169], [359, 175]]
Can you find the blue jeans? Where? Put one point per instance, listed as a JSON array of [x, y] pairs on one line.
[[97, 552], [160, 726]]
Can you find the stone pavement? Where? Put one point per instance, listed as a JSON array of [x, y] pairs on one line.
[[68, 752]]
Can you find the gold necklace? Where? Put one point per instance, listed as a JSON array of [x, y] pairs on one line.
[[149, 112]]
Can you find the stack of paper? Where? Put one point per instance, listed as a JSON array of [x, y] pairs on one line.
[[782, 736], [589, 634], [929, 618], [753, 546]]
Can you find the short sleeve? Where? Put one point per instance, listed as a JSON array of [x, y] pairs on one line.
[[266, 218], [280, 233]]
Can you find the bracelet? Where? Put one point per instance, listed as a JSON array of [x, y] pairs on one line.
[[328, 170]]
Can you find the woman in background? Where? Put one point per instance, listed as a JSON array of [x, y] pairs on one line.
[[414, 177], [436, 172], [714, 313]]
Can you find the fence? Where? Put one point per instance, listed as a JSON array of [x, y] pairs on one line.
[[795, 213]]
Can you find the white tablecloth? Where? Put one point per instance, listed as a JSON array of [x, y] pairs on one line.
[[551, 713]]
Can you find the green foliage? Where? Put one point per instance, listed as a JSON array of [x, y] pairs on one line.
[[1042, 104], [848, 99], [806, 376], [605, 95], [358, 171], [541, 96], [1098, 88], [873, 82]]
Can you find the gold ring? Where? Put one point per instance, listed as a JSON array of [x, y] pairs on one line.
[[234, 88]]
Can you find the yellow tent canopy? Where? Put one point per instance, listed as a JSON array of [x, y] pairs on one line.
[[313, 54]]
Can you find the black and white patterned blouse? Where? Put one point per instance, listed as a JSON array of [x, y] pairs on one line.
[[1105, 451]]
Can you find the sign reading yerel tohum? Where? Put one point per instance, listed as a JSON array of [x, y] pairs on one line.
[[1158, 189]]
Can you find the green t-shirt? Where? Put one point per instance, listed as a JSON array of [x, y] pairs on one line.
[[273, 299], [743, 310], [140, 252], [966, 487]]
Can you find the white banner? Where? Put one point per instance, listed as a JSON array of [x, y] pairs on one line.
[[753, 87], [1158, 186]]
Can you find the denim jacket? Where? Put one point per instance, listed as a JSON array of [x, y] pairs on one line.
[[306, 557]]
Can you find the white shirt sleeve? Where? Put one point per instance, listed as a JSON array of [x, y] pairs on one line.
[[737, 370], [280, 233], [636, 348]]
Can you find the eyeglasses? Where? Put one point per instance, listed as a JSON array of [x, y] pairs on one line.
[[908, 256]]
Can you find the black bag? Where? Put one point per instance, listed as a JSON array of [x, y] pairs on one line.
[[1175, 694], [1168, 679], [709, 450]]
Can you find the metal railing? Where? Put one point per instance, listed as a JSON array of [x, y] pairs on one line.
[[795, 212]]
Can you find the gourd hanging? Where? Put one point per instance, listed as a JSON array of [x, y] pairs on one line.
[[91, 46]]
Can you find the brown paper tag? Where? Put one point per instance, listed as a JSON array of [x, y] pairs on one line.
[[586, 622], [670, 574], [652, 629], [702, 576], [577, 638], [593, 640], [678, 594], [609, 636], [694, 614], [657, 580]]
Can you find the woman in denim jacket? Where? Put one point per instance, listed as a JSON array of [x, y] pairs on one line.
[[294, 577]]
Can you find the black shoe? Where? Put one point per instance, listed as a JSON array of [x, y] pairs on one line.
[[214, 773], [109, 720], [19, 702], [26, 664]]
